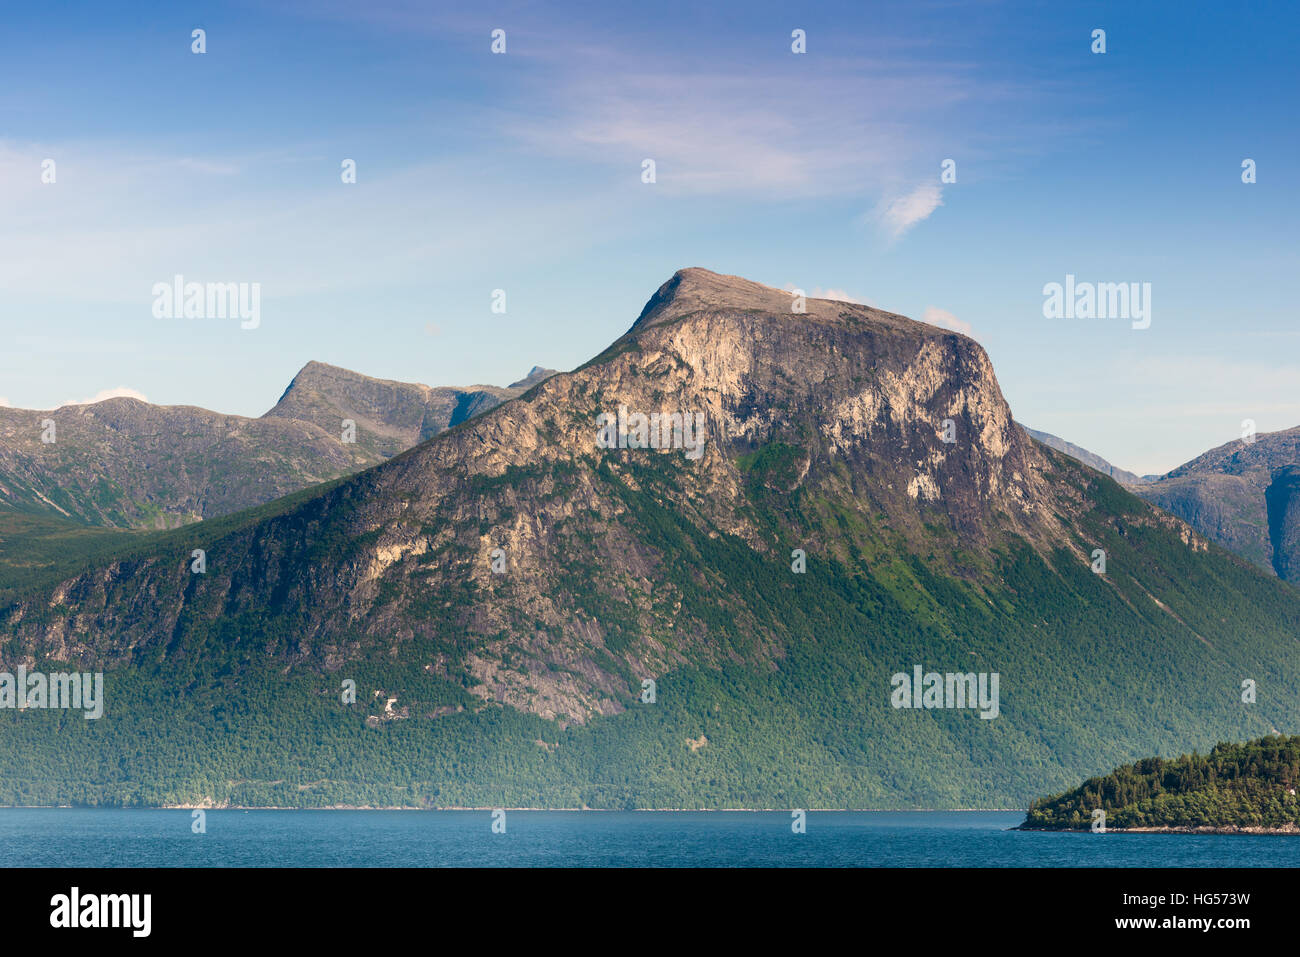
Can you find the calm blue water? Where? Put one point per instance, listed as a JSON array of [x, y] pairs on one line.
[[138, 838]]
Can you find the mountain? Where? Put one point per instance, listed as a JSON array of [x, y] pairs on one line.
[[535, 375], [390, 417], [129, 464], [533, 611], [1245, 496], [1235, 788], [1087, 458]]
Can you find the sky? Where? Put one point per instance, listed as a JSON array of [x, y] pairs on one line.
[[522, 171]]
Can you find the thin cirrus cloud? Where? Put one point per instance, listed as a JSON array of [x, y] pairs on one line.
[[742, 118], [843, 125], [108, 229]]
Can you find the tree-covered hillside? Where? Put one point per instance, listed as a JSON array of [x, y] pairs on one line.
[[1251, 785], [1092, 670]]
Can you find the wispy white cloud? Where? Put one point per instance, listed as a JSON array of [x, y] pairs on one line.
[[838, 295], [942, 317], [715, 118], [120, 392], [784, 128], [114, 224], [899, 214]]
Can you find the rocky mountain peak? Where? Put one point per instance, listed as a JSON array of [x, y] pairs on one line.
[[695, 289], [535, 375], [906, 416]]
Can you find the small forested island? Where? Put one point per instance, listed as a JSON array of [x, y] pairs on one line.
[[1235, 789]]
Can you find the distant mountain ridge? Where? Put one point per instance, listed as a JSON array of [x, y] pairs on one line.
[[125, 463], [535, 375], [1243, 495], [390, 416], [1091, 459], [129, 464]]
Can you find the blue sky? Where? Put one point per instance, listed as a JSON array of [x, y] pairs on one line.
[[522, 172]]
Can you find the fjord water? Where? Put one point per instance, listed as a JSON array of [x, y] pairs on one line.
[[77, 837]]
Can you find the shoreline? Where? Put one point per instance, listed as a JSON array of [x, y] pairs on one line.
[[1287, 830], [599, 810]]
